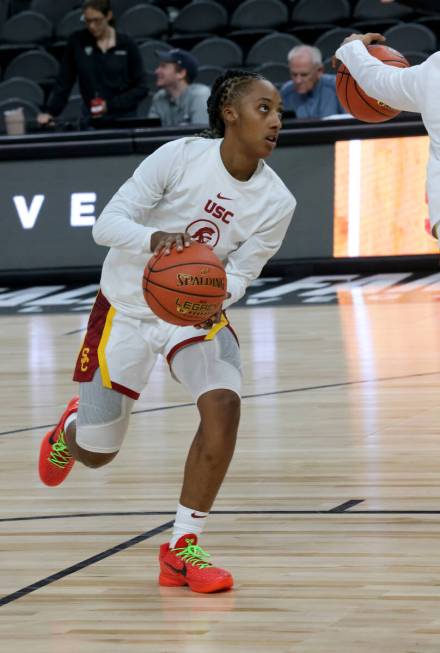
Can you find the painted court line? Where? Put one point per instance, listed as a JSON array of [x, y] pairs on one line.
[[255, 396], [85, 563], [9, 598]]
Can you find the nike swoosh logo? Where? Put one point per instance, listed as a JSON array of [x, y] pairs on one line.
[[193, 514], [222, 197], [175, 569]]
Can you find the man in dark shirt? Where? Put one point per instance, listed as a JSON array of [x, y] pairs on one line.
[[108, 65]]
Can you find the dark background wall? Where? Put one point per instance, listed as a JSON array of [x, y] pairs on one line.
[[58, 169], [308, 171], [53, 242]]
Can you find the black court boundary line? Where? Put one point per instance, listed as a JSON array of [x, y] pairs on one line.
[[345, 508], [255, 396], [71, 333], [46, 426], [85, 563], [9, 598], [342, 508]]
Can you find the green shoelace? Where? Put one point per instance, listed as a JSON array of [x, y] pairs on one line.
[[60, 455], [194, 555]]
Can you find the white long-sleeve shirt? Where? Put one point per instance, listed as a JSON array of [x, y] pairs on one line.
[[184, 186], [408, 89]]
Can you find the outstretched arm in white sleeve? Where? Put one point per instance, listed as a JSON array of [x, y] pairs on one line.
[[400, 88]]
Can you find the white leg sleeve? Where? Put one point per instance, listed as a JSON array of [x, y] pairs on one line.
[[103, 417], [209, 365]]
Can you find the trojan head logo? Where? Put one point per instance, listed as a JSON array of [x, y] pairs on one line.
[[204, 234], [204, 231]]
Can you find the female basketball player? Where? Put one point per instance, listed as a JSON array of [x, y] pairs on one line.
[[219, 189], [408, 89]]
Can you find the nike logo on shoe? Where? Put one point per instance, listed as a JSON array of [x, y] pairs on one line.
[[51, 439], [181, 571], [222, 197], [195, 516]]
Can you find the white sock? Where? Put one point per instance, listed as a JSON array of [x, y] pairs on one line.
[[186, 523], [69, 420]]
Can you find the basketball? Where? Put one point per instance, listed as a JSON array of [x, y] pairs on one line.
[[355, 100], [186, 287]]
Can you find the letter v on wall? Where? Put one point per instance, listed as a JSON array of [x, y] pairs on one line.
[[28, 215]]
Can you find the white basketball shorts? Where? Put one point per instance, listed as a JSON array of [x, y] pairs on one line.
[[125, 350]]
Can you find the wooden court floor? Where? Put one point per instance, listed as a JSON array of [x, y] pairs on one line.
[[329, 517]]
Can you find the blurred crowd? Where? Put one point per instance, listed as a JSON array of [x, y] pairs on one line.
[[104, 68]]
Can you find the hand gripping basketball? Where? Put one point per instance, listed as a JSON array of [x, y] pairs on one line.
[[354, 99], [162, 240], [186, 287]]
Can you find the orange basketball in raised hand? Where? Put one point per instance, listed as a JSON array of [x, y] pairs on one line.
[[186, 287], [355, 100]]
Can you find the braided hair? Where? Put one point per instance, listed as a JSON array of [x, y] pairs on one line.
[[226, 89]]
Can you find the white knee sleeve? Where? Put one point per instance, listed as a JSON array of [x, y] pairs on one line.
[[209, 365], [106, 437], [103, 417]]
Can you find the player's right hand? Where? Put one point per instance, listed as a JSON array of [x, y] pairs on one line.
[[366, 39], [161, 240]]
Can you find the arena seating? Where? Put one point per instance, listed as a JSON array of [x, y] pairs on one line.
[[256, 34]]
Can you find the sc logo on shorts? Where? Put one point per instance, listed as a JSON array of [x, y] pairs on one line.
[[85, 360]]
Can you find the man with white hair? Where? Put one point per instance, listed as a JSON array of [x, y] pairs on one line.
[[310, 93]]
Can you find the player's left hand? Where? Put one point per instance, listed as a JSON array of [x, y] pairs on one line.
[[215, 319], [366, 39], [208, 324]]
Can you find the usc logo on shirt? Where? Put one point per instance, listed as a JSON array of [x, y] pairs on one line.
[[218, 211]]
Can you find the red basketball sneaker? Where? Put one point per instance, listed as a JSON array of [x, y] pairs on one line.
[[186, 564], [428, 228], [55, 459]]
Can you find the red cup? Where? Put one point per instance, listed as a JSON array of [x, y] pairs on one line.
[[97, 107]]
